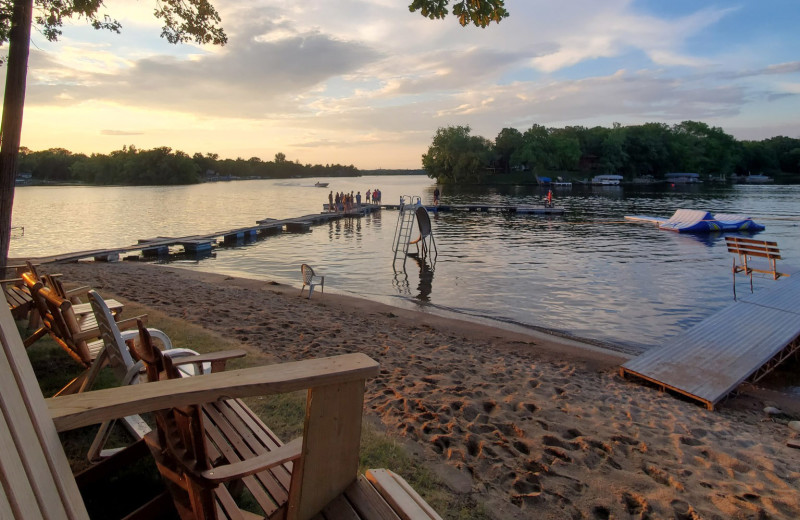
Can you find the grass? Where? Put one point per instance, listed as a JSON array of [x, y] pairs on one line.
[[283, 413]]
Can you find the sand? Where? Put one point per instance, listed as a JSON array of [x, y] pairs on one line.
[[531, 426]]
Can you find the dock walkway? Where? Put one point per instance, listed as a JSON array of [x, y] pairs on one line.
[[743, 341], [198, 244], [504, 208]]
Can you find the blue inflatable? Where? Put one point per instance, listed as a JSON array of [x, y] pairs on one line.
[[699, 221]]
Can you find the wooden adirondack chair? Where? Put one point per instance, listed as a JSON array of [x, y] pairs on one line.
[[77, 334], [129, 369], [187, 439], [36, 480]]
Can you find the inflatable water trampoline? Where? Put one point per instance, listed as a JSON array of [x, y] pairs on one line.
[[699, 221]]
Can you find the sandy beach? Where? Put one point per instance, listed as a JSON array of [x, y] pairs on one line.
[[531, 426]]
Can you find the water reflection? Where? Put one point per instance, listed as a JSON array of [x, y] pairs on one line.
[[425, 281]]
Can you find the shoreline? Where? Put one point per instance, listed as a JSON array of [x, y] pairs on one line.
[[523, 424]]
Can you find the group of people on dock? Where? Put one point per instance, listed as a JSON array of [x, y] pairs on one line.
[[376, 196], [344, 202]]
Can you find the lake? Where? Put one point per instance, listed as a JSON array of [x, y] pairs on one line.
[[587, 273]]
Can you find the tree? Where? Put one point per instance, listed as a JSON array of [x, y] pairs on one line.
[[455, 156], [480, 13], [508, 141]]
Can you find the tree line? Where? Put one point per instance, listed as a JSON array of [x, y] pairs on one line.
[[162, 166], [651, 149]]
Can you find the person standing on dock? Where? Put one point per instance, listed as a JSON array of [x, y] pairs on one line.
[[330, 201], [436, 196], [358, 199], [369, 191], [549, 203]]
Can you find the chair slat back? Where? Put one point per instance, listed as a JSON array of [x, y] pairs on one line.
[[119, 357], [308, 273], [35, 477], [181, 435], [59, 319]]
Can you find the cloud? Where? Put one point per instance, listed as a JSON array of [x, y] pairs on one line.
[[252, 76]]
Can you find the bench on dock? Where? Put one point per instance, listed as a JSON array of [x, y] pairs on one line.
[[746, 248]]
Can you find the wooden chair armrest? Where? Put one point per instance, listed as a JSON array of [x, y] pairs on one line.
[[77, 291], [77, 410], [217, 359], [11, 280], [244, 468], [130, 323]]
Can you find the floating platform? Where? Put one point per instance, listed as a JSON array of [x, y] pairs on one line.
[[742, 342], [699, 221], [504, 208]]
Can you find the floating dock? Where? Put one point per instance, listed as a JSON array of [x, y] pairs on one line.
[[202, 245], [504, 208], [742, 342]]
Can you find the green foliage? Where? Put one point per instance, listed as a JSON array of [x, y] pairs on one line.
[[161, 166], [184, 21], [478, 12], [456, 157], [633, 151]]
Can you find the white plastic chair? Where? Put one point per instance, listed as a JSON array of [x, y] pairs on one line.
[[310, 279]]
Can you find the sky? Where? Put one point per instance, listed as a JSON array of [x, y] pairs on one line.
[[368, 83]]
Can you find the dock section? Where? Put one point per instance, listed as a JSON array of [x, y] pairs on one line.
[[203, 244], [503, 208], [742, 342]]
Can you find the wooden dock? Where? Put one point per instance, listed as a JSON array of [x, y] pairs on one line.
[[742, 342], [503, 208], [202, 245]]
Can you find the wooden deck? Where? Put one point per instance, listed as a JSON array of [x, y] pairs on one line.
[[742, 342], [203, 244]]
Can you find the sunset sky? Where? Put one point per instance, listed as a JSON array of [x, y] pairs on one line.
[[368, 83]]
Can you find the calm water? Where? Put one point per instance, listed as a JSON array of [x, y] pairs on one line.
[[588, 273]]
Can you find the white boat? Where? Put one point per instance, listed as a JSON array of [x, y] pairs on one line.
[[683, 178], [758, 179], [607, 180], [321, 184]]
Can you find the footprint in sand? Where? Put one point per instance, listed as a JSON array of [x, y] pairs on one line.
[[683, 510], [601, 513], [636, 505]]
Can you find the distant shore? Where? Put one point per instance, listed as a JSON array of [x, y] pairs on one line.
[[527, 425]]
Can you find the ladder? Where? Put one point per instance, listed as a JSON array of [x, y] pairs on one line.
[[405, 225]]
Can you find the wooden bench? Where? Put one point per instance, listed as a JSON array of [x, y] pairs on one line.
[[746, 248]]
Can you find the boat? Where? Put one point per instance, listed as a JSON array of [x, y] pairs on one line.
[[699, 221], [321, 184], [606, 180], [758, 179], [683, 178]]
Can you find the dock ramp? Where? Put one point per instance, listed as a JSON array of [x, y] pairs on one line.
[[742, 342]]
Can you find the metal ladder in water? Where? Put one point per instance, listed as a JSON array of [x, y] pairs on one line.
[[405, 225]]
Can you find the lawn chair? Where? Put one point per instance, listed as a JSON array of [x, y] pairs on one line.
[[189, 438], [128, 368], [77, 334], [310, 279]]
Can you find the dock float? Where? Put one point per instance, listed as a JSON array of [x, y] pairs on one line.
[[203, 245], [744, 341], [504, 208]]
